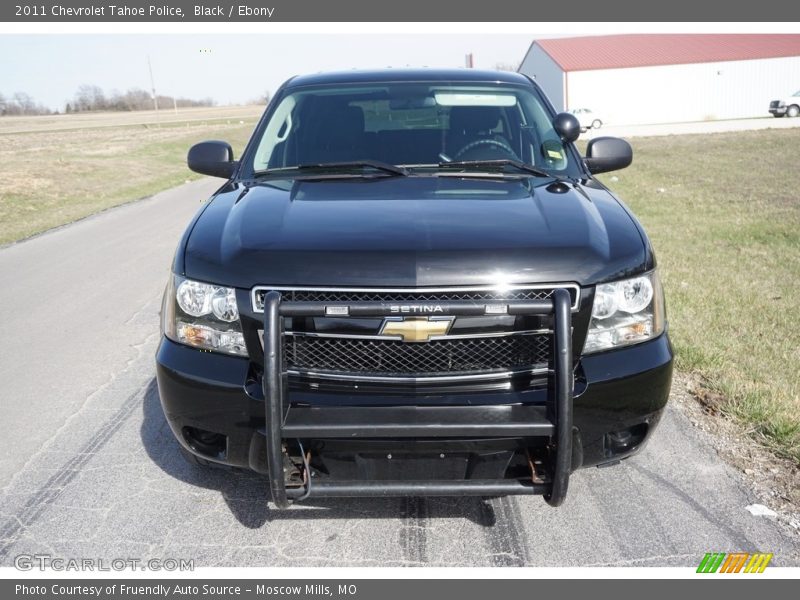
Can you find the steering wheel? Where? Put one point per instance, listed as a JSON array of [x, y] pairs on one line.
[[494, 143]]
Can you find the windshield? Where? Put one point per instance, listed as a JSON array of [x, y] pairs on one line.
[[409, 124]]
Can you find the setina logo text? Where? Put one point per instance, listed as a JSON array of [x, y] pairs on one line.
[[737, 562], [415, 309]]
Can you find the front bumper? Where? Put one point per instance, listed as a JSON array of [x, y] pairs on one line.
[[618, 399], [778, 110]]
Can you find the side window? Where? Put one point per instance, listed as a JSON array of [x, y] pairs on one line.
[[280, 127], [518, 133], [548, 151]]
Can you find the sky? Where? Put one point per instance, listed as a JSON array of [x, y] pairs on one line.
[[230, 68]]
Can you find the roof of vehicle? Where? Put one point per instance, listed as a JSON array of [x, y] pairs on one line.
[[392, 75]]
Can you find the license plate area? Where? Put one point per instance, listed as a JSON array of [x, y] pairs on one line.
[[418, 460]]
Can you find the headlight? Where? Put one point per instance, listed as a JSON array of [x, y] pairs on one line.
[[626, 312], [203, 316]]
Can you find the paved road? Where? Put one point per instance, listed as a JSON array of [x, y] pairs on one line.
[[90, 468]]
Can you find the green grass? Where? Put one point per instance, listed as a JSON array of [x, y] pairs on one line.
[[54, 177], [723, 213]]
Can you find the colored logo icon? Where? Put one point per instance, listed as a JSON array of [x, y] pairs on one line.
[[737, 562]]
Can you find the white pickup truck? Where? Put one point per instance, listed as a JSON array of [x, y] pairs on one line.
[[789, 106]]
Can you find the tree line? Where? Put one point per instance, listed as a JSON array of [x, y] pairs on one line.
[[21, 103], [93, 98]]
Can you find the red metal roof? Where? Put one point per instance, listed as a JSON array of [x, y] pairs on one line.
[[591, 53]]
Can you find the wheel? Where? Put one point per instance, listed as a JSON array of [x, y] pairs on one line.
[[793, 111], [597, 124]]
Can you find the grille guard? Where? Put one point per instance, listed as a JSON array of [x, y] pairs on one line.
[[558, 410]]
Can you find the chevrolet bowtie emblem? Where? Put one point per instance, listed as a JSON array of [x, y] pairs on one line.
[[416, 329]]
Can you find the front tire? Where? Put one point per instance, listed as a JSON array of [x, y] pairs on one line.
[[597, 124], [793, 111]]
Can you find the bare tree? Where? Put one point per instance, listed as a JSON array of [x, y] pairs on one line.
[[21, 103], [25, 103], [89, 97], [262, 99], [92, 97]]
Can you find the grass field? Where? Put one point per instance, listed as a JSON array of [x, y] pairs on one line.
[[150, 118], [53, 173], [723, 212]]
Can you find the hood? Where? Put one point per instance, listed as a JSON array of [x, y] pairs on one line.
[[412, 231]]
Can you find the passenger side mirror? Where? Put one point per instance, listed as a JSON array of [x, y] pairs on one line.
[[213, 158], [605, 154], [567, 127]]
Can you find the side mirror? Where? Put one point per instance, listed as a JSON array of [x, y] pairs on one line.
[[605, 154], [567, 127], [213, 158]]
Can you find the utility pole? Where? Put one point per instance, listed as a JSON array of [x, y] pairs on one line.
[[152, 83]]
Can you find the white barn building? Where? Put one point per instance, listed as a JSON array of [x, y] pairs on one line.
[[666, 78]]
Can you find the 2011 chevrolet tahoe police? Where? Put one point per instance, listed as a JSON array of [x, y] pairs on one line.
[[412, 284]]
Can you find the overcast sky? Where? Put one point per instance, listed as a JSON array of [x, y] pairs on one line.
[[227, 68]]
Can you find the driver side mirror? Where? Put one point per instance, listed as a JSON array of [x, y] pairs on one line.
[[213, 158], [567, 127], [605, 154]]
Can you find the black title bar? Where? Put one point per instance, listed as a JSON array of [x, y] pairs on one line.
[[465, 588], [243, 11]]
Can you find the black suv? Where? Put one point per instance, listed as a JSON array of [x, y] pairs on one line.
[[412, 284]]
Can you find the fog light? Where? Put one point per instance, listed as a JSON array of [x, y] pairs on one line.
[[624, 440], [207, 443], [620, 439]]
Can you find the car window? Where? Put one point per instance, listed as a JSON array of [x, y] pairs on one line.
[[408, 124]]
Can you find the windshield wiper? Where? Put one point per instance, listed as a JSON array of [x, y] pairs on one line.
[[500, 164], [343, 167]]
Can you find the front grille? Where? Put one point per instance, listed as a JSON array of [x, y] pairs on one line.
[[421, 295], [436, 358], [473, 295], [486, 347], [775, 104]]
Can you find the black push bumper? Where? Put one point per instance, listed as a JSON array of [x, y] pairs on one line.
[[283, 422], [597, 411]]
